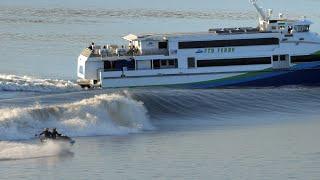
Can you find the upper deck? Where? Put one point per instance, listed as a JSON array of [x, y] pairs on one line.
[[166, 44], [270, 31]]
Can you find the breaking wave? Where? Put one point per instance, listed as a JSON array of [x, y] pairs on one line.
[[31, 84], [100, 115], [120, 112]]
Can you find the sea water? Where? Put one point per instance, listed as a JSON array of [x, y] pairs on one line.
[[143, 133]]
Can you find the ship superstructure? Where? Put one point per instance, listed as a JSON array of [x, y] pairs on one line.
[[279, 51]]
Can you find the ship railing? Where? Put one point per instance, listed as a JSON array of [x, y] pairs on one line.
[[154, 52], [123, 52]]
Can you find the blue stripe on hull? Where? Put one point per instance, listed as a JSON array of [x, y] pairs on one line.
[[305, 74], [307, 77]]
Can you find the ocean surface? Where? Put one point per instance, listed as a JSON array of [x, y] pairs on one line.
[[144, 133]]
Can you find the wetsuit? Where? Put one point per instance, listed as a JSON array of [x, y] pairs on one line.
[[47, 134], [55, 134]]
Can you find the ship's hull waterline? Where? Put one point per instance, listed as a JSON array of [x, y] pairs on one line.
[[306, 74]]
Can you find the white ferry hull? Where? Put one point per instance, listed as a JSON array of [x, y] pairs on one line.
[[162, 80], [305, 74]]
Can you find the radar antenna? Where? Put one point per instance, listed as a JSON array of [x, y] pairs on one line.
[[259, 9]]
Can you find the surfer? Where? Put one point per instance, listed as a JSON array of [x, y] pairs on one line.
[[55, 133], [46, 133]]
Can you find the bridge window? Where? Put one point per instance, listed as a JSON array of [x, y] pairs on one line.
[[302, 28], [282, 27]]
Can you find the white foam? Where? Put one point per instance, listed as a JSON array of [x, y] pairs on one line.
[[14, 151], [101, 115], [32, 84]]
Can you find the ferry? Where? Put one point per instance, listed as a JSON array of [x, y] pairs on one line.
[[278, 52]]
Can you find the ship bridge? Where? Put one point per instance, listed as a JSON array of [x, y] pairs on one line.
[[267, 23]]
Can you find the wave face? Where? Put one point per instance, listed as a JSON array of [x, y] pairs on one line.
[[226, 104], [99, 115], [31, 84]]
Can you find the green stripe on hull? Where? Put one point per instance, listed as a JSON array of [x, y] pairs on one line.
[[241, 76], [316, 53], [236, 77]]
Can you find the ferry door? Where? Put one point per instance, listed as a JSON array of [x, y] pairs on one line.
[[191, 62], [282, 61]]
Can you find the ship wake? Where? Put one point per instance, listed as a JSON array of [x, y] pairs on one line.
[[31, 84], [16, 151]]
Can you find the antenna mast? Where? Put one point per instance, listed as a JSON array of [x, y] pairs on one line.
[[259, 9]]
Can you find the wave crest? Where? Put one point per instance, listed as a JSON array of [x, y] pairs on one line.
[[101, 115], [31, 84]]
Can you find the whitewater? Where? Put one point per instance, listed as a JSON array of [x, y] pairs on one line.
[[101, 115], [31, 84], [21, 151]]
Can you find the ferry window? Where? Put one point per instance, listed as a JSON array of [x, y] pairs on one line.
[[156, 64], [146, 64], [119, 64], [308, 58], [274, 27], [191, 62], [163, 62], [171, 62], [107, 65], [163, 45], [228, 43], [131, 64], [275, 58], [282, 57], [233, 62]]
